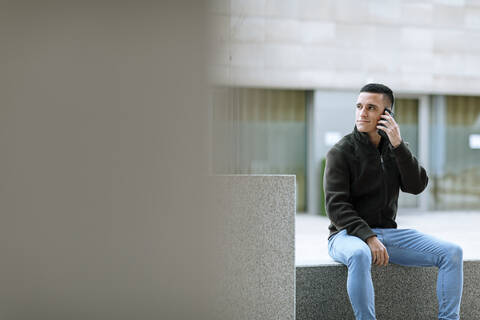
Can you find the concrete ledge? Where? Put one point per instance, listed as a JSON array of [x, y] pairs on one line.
[[401, 292], [259, 246]]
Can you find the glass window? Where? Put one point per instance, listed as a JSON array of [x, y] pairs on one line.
[[406, 114], [261, 131], [456, 154]]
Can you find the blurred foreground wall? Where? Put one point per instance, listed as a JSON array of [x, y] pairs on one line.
[[104, 153]]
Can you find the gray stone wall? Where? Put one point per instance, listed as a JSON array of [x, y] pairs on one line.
[[414, 46], [400, 292]]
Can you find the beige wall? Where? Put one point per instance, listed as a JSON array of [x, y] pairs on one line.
[[414, 46]]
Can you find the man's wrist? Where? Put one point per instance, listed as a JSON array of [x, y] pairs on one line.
[[397, 144], [371, 238]]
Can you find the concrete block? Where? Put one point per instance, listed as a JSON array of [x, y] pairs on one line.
[[456, 3], [392, 79], [247, 7], [351, 11], [472, 17], [316, 10], [414, 81], [388, 12], [321, 293], [387, 37], [457, 41], [381, 61], [281, 8], [247, 54], [450, 41], [448, 15], [417, 38], [416, 13], [259, 246], [449, 64], [473, 41], [317, 77], [348, 60], [354, 37], [400, 292], [282, 30], [349, 79], [247, 28], [470, 308], [471, 3], [285, 78], [289, 78], [315, 32], [456, 84], [283, 56], [472, 65], [320, 57]]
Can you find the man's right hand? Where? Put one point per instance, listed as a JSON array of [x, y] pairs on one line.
[[379, 252]]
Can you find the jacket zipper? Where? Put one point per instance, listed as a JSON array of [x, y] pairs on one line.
[[384, 182]]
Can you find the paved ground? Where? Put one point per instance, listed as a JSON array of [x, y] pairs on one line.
[[460, 227]]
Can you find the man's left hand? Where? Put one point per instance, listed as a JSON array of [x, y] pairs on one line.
[[391, 128]]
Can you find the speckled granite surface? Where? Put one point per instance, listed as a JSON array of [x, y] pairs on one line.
[[259, 244], [401, 292]]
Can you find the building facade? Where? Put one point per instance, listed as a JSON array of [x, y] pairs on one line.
[[289, 73]]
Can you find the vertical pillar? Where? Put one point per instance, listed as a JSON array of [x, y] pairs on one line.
[[423, 146], [438, 144], [330, 116]]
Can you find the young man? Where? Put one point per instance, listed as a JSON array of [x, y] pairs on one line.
[[363, 175]]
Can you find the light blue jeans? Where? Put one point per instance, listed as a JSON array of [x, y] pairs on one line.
[[405, 247]]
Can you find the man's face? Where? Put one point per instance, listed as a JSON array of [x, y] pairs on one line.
[[370, 107]]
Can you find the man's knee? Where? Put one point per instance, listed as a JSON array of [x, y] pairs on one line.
[[360, 256], [454, 254]]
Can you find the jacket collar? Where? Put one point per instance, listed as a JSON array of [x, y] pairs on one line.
[[363, 138]]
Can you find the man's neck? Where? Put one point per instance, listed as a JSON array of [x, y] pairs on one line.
[[375, 138]]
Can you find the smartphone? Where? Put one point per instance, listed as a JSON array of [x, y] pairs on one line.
[[381, 132]]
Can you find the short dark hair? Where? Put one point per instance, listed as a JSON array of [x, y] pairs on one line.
[[379, 88]]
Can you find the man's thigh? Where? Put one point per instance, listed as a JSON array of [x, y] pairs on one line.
[[410, 247], [342, 247]]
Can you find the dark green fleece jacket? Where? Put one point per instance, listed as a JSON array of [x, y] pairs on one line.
[[362, 183]]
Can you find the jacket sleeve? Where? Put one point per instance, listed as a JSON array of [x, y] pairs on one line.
[[338, 203], [413, 177]]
